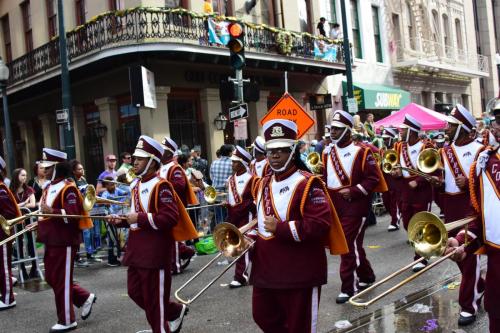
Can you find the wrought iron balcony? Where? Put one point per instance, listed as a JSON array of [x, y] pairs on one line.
[[435, 57], [140, 26]]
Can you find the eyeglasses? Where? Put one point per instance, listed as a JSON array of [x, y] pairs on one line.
[[127, 157], [278, 151], [111, 160]]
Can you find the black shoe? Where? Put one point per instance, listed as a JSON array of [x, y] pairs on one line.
[[114, 263], [364, 285], [466, 320], [342, 298]]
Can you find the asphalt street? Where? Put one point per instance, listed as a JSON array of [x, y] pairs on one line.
[[220, 309]]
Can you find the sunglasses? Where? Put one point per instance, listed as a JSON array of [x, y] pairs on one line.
[[111, 160]]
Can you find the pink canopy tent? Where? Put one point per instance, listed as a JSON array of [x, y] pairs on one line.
[[430, 120]]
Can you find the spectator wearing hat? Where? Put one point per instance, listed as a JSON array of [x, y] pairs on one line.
[[154, 222], [109, 172], [241, 206], [9, 210], [259, 165], [351, 175], [296, 219], [457, 159], [416, 191], [126, 159], [391, 198], [62, 237], [438, 140]]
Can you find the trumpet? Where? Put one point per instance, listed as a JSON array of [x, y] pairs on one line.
[[428, 234], [313, 162], [428, 161], [231, 242], [7, 224], [211, 194], [91, 199]]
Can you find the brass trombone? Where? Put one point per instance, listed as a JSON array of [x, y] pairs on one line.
[[211, 194], [428, 161], [129, 178], [7, 224], [428, 234], [231, 242], [313, 162], [91, 199]]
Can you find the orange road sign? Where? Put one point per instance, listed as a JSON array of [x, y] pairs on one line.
[[288, 108]]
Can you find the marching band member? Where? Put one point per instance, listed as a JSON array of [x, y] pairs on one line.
[[241, 206], [156, 212], [9, 210], [351, 175], [173, 172], [326, 140], [295, 216], [260, 165], [392, 197], [62, 238], [457, 160], [439, 140], [416, 192]]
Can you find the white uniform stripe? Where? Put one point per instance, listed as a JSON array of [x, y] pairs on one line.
[[477, 295], [362, 189], [177, 261], [7, 279], [162, 313], [314, 309], [67, 285], [293, 230], [151, 221], [247, 262], [357, 254], [63, 212]]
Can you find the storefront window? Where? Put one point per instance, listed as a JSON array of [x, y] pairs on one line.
[[186, 129], [129, 124]]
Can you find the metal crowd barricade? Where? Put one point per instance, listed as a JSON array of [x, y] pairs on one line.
[[21, 252], [378, 204], [206, 216]]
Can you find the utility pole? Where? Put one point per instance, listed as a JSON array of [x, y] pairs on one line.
[[347, 51], [68, 137]]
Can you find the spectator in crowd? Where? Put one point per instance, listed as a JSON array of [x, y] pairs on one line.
[[109, 172], [25, 198], [220, 171], [199, 163], [303, 150], [321, 26], [126, 158], [81, 184], [116, 194], [186, 163], [336, 33], [358, 126], [370, 126], [39, 181]]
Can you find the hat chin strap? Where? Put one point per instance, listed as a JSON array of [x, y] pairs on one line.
[[283, 168], [335, 141], [408, 134], [457, 133], [147, 167]]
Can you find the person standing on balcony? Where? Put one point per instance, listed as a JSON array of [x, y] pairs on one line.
[[336, 33], [321, 26]]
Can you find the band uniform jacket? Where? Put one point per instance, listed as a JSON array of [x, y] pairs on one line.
[[294, 256], [64, 198], [8, 206], [240, 200], [174, 173], [457, 161], [355, 168], [150, 241], [260, 168]]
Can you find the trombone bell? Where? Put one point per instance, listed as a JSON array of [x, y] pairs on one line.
[[313, 161], [210, 194], [429, 160]]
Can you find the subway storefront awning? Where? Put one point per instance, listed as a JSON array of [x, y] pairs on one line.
[[378, 97]]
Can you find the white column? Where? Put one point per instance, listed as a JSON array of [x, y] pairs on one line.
[[29, 152], [79, 128], [210, 108], [154, 122], [49, 130], [109, 116]]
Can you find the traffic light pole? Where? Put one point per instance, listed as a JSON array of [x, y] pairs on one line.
[[347, 51], [238, 82]]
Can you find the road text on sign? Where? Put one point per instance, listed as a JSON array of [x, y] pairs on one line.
[[288, 108]]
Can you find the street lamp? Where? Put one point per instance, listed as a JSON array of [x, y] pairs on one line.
[[99, 130], [4, 76], [220, 122]]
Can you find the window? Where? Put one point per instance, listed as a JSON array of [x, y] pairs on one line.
[[177, 4], [268, 13], [409, 26], [6, 38], [435, 26], [446, 30], [332, 12], [116, 5], [28, 35], [376, 34], [52, 17], [356, 34], [80, 12], [458, 31]]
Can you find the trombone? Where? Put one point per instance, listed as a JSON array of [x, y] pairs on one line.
[[129, 178], [428, 234], [428, 161], [91, 199], [7, 224], [231, 242], [313, 162], [211, 194]]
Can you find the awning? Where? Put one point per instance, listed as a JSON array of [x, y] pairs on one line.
[[428, 119], [378, 97]]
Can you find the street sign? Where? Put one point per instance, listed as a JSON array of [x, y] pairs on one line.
[[352, 105], [320, 101], [238, 112], [288, 108], [240, 129], [62, 116]]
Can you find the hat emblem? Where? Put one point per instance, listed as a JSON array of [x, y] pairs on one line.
[[277, 131], [44, 156], [453, 111], [140, 144], [336, 116]]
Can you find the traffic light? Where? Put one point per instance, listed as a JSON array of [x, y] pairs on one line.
[[236, 45]]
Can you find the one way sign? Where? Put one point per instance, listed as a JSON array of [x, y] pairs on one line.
[[238, 112]]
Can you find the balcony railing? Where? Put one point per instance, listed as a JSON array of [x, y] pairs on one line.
[[158, 25], [421, 49]]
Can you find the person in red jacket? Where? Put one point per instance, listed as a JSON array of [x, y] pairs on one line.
[[9, 210], [62, 237], [391, 198], [153, 214], [241, 206], [296, 219], [260, 165], [351, 175]]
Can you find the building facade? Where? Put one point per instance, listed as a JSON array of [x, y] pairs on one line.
[[170, 38]]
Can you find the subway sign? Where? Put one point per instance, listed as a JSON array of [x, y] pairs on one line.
[[387, 100]]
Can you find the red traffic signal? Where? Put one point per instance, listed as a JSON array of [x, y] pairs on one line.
[[235, 30], [236, 45]]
